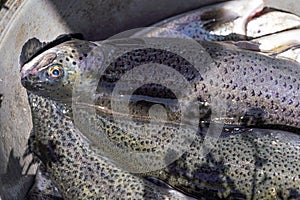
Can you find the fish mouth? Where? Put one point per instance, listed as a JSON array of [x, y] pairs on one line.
[[24, 72], [31, 83]]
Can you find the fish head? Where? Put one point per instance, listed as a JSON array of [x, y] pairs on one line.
[[52, 73]]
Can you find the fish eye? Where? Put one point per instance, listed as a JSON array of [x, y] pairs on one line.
[[56, 71]]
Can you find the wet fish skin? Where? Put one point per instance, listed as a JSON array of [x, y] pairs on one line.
[[252, 168], [263, 82], [283, 33], [221, 174], [239, 20], [264, 88], [46, 186], [235, 168], [189, 184], [227, 172], [263, 24], [75, 169], [284, 41], [42, 75], [207, 23]]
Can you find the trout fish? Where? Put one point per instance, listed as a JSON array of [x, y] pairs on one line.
[[182, 174], [246, 164], [251, 85], [217, 175], [69, 168], [76, 171], [249, 21], [223, 21]]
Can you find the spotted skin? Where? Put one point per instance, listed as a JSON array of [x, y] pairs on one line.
[[220, 174], [248, 164], [268, 89], [75, 169], [249, 83], [262, 164], [67, 69], [257, 89], [244, 163]]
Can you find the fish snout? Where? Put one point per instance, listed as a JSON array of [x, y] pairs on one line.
[[29, 79], [27, 72], [26, 82]]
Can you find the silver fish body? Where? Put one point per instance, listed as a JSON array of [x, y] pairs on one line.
[[262, 164], [213, 22], [221, 175], [183, 174], [75, 170], [243, 163], [236, 20], [60, 170], [263, 88], [262, 24]]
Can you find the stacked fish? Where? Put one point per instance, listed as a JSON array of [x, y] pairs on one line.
[[253, 69]]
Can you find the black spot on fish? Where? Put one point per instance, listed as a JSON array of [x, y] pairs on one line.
[[145, 56]]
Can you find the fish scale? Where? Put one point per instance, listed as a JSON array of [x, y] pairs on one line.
[[77, 171], [220, 174], [249, 83], [205, 170], [262, 81], [236, 168], [255, 162]]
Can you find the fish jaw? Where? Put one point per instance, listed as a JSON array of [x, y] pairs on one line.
[[69, 58], [32, 73]]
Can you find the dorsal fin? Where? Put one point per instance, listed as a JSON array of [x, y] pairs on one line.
[[29, 49], [34, 47]]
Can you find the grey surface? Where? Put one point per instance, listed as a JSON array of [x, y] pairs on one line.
[[96, 19], [287, 5]]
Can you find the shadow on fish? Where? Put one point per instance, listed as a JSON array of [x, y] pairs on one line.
[[257, 90], [241, 80], [248, 66]]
